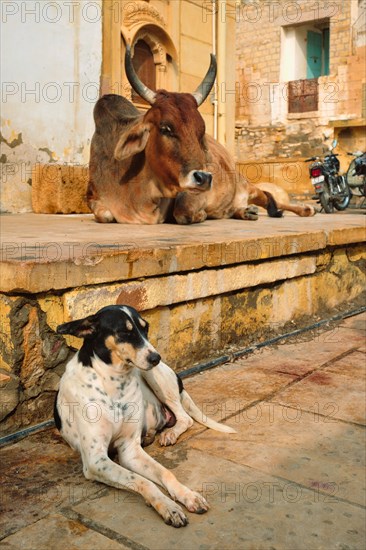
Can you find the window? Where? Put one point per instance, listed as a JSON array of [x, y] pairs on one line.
[[144, 65], [304, 58]]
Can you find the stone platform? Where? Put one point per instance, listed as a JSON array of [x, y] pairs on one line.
[[205, 289]]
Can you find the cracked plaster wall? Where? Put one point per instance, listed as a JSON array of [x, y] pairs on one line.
[[51, 67]]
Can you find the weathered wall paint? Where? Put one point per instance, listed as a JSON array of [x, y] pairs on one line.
[[51, 67]]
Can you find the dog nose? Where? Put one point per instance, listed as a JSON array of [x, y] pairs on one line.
[[203, 179], [153, 358]]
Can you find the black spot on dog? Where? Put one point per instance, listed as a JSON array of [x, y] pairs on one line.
[[180, 383], [56, 416]]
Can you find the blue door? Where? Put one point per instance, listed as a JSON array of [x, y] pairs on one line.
[[314, 54], [326, 51]]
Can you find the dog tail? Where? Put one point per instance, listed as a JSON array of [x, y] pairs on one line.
[[199, 416]]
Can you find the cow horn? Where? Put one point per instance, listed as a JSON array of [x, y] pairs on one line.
[[206, 85], [140, 88]]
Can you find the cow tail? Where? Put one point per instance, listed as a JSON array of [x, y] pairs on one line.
[[191, 408], [272, 208]]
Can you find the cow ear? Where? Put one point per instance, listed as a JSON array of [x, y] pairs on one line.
[[132, 142], [80, 328]]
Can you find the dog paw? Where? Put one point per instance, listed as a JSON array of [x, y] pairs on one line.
[[148, 438], [194, 502], [172, 513], [168, 437]]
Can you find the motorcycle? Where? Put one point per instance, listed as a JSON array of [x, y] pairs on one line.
[[331, 188], [356, 174]]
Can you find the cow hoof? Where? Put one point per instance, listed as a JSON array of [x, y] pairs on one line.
[[248, 213], [183, 220], [188, 220], [309, 210], [104, 216]]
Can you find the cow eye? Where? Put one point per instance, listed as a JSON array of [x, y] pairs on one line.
[[167, 130]]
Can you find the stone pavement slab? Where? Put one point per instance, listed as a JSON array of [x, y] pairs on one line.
[[249, 510], [38, 474], [292, 444], [305, 352], [337, 391], [49, 532], [243, 386], [357, 322]]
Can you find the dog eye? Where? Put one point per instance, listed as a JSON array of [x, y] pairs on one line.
[[144, 325]]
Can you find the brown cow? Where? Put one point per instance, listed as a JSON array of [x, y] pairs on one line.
[[140, 163]]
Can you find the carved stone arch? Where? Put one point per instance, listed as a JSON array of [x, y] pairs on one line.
[[136, 20], [164, 52], [157, 48]]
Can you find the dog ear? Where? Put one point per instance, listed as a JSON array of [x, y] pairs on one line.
[[80, 328]]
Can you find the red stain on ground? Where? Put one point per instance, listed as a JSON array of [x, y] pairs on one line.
[[321, 379]]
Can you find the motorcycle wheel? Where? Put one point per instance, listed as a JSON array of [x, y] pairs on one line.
[[325, 200], [343, 203]]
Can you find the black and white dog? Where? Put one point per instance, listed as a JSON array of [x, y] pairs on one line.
[[116, 393]]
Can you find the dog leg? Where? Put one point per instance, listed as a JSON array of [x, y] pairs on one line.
[[136, 459], [99, 467], [163, 382]]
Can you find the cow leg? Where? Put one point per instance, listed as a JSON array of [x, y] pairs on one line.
[[248, 213], [265, 200], [189, 208], [274, 207], [102, 213], [303, 210]]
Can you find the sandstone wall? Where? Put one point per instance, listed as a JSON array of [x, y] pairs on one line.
[[264, 128]]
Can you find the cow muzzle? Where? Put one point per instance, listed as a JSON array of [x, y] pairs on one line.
[[197, 180]]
